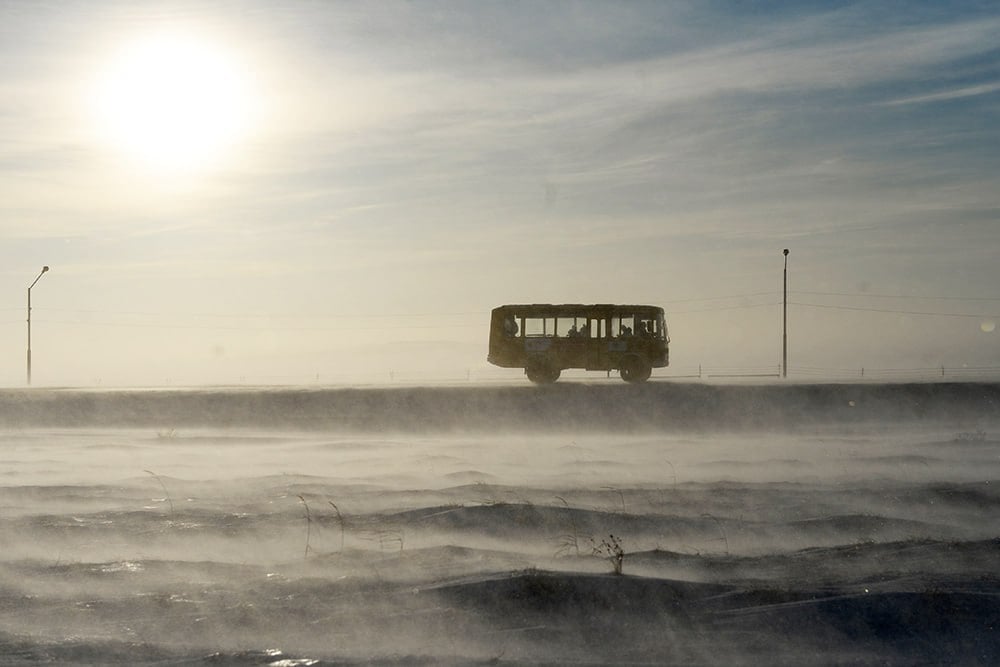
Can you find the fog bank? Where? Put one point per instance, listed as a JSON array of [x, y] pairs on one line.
[[564, 406]]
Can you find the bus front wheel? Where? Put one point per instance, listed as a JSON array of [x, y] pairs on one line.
[[635, 369], [542, 373]]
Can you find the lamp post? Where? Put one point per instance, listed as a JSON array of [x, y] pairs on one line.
[[784, 320], [44, 269]]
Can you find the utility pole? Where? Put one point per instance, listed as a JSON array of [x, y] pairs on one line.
[[44, 269], [784, 320]]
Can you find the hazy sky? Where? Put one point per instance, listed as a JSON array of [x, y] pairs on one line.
[[267, 192]]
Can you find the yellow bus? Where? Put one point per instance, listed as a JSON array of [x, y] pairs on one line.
[[546, 339]]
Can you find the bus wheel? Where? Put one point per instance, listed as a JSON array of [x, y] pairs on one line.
[[542, 373], [635, 369]]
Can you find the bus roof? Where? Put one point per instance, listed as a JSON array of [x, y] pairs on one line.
[[571, 308]]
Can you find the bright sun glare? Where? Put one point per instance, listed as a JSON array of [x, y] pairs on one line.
[[174, 102]]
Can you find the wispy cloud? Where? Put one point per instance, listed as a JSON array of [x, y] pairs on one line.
[[946, 95]]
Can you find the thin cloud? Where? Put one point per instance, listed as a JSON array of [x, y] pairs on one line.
[[944, 96]]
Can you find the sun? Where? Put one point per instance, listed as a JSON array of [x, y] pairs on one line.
[[174, 102]]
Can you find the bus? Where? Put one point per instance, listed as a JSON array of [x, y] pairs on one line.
[[546, 339]]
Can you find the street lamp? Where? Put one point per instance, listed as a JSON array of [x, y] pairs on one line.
[[784, 321], [44, 269]]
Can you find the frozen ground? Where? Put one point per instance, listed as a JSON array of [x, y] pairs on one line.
[[757, 525]]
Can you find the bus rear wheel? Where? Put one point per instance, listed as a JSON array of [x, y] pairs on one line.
[[635, 369], [542, 373]]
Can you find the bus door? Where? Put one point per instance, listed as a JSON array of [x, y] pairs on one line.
[[621, 337], [597, 354], [584, 342], [573, 333]]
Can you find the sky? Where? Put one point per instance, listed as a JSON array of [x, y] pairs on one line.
[[339, 192]]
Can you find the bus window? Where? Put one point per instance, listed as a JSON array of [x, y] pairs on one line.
[[576, 327], [539, 326], [622, 327], [646, 327], [567, 327]]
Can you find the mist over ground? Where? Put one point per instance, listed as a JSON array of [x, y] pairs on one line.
[[779, 524], [564, 406]]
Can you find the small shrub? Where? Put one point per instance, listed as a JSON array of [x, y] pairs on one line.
[[611, 549]]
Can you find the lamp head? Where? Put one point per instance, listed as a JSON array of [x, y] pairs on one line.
[[45, 268], [784, 252]]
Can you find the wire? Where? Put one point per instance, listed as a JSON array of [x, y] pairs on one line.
[[721, 298], [252, 316], [136, 325], [718, 308], [898, 296], [272, 316], [886, 310]]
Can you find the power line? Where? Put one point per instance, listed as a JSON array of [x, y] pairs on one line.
[[722, 298], [246, 316], [887, 310], [252, 328], [899, 296], [484, 313], [138, 325], [236, 316], [719, 308], [249, 316]]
